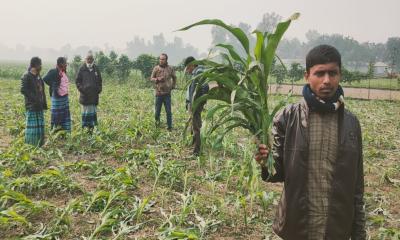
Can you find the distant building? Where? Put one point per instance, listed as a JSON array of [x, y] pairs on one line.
[[381, 69]]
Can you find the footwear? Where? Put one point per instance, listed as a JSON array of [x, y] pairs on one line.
[[196, 153], [169, 129]]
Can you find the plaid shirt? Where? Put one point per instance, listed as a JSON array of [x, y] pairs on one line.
[[323, 132]]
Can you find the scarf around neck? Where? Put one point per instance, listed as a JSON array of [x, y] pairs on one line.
[[323, 106]]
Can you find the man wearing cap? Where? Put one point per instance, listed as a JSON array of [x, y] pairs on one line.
[[89, 84]]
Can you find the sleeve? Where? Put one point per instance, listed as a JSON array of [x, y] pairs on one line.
[[47, 78], [79, 81], [173, 78], [278, 134], [25, 88], [100, 81], [358, 230], [153, 75]]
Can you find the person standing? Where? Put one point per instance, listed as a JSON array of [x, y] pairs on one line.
[[32, 87], [317, 150], [193, 92], [89, 84], [58, 83], [164, 79]]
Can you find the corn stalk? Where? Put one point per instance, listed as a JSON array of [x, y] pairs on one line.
[[242, 82]]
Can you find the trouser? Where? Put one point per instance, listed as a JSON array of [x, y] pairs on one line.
[[166, 100], [196, 128]]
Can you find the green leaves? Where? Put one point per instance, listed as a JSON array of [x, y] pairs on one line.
[[241, 82], [237, 32]]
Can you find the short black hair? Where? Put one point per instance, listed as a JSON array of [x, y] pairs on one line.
[[35, 62], [323, 54], [188, 60], [165, 55], [61, 60]]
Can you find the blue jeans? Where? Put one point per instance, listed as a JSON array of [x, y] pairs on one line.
[[166, 100]]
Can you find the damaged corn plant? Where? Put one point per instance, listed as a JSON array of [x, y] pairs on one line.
[[241, 91]]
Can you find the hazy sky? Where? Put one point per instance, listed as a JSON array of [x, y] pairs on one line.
[[54, 23]]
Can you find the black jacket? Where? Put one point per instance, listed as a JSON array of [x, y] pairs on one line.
[[53, 79], [346, 216], [32, 87], [89, 84]]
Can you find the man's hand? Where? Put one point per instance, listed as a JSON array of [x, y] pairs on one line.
[[160, 79], [262, 153]]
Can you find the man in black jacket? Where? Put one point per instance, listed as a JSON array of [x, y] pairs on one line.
[[317, 153], [32, 87], [89, 84]]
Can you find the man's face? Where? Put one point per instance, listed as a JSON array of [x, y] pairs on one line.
[[324, 79], [38, 68], [163, 60], [189, 68], [63, 66], [89, 60]]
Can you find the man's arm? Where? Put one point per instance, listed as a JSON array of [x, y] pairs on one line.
[[358, 231], [25, 88], [79, 82], [153, 77], [173, 79], [48, 77], [100, 81]]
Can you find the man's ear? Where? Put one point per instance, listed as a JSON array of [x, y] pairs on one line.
[[306, 75]]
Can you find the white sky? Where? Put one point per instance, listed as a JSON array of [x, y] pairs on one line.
[[54, 23]]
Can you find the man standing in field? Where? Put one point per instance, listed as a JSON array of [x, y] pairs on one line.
[[32, 87], [164, 79], [58, 82], [89, 84], [191, 94], [317, 149]]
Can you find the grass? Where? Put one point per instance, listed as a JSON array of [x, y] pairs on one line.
[[130, 180]]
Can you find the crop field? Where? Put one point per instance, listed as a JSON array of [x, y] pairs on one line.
[[130, 180]]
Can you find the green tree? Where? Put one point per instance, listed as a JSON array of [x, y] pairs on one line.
[[145, 63], [123, 68], [279, 72], [103, 63], [392, 53], [296, 71], [74, 66]]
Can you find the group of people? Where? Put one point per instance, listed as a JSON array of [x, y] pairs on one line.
[[316, 142], [88, 83]]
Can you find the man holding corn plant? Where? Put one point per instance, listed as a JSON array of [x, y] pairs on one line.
[[317, 152]]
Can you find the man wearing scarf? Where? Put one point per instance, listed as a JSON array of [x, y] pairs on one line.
[[317, 149], [89, 84], [164, 79], [58, 81], [32, 87]]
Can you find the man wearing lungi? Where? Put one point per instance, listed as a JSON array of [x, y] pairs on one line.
[[58, 82], [32, 87], [89, 84]]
